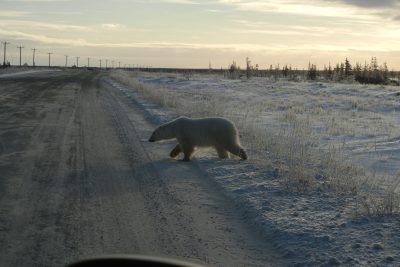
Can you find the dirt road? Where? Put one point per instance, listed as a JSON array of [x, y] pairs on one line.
[[78, 178]]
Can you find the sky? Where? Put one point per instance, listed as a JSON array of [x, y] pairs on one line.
[[197, 34]]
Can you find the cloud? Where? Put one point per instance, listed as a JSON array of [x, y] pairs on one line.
[[181, 2], [267, 48], [301, 7], [24, 24], [186, 2], [13, 13], [112, 26], [18, 35], [354, 10], [369, 3], [382, 9], [262, 27]]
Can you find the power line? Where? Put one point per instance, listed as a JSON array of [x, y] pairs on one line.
[[33, 57], [49, 58], [5, 48], [20, 48], [5, 43]]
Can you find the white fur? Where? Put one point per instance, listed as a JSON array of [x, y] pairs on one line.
[[219, 133]]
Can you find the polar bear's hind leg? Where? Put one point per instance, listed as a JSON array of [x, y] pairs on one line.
[[222, 153]]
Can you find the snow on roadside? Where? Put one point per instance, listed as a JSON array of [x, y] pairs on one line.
[[14, 72], [315, 229], [361, 119]]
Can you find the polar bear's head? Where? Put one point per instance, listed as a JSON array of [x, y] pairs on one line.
[[164, 132]]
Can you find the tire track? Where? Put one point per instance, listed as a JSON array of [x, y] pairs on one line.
[[85, 184], [34, 193], [202, 222]]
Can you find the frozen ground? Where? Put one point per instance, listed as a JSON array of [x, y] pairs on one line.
[[78, 178], [319, 227], [363, 120]]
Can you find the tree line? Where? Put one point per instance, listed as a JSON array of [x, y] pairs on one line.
[[367, 73]]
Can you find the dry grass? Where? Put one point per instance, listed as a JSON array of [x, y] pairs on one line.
[[292, 145], [375, 200]]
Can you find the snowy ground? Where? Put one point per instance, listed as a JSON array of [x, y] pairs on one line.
[[315, 227], [363, 119], [15, 71], [78, 179]]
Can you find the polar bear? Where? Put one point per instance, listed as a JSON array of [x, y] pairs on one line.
[[219, 133]]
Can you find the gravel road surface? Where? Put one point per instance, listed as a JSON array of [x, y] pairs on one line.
[[78, 179]]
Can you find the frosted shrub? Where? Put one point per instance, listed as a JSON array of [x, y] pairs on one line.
[[374, 200]]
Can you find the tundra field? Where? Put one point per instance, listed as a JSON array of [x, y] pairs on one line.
[[323, 175], [79, 177]]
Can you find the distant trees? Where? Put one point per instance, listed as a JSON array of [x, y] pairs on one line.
[[286, 71], [347, 68], [249, 68], [371, 73], [312, 72], [233, 71]]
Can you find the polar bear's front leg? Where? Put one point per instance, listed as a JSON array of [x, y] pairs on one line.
[[176, 151], [238, 151], [187, 152]]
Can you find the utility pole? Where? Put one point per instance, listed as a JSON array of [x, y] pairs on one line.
[[20, 47], [106, 63], [5, 48], [100, 63], [66, 60], [77, 62], [88, 61], [49, 58], [119, 64], [33, 58]]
